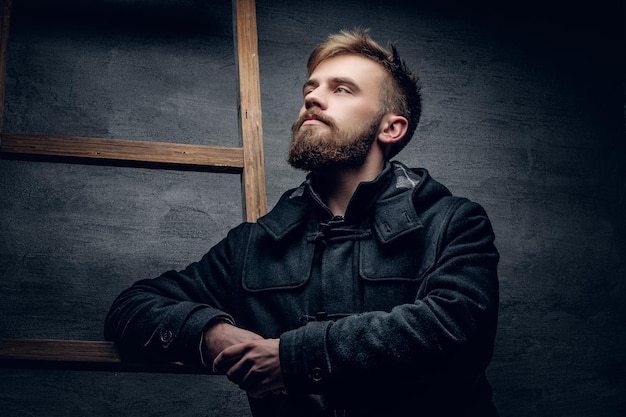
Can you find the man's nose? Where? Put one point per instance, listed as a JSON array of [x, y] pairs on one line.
[[315, 98]]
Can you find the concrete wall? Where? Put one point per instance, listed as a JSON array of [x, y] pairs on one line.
[[523, 112]]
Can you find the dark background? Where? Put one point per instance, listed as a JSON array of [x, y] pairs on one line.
[[523, 113]]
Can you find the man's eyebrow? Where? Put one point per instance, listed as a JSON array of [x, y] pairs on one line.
[[346, 81], [309, 83], [312, 82]]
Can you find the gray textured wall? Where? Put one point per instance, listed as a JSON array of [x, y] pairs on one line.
[[523, 112]]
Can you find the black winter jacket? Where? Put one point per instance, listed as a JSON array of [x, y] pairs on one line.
[[389, 311]]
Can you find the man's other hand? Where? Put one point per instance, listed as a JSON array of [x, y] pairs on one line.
[[254, 366], [222, 335]]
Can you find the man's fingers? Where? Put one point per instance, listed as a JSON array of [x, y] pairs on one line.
[[254, 366], [258, 370], [228, 357], [239, 372], [222, 335]]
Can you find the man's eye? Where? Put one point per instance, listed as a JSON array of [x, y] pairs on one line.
[[342, 90]]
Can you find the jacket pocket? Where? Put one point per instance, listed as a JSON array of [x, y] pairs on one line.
[[391, 274], [276, 265], [402, 260]]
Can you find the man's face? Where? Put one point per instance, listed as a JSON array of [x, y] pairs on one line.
[[341, 116]]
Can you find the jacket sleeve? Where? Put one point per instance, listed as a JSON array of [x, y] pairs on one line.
[[448, 330], [163, 318]]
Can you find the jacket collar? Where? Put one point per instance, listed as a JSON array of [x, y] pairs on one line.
[[391, 195], [395, 213]]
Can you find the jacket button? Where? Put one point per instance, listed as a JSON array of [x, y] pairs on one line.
[[166, 336], [317, 374]]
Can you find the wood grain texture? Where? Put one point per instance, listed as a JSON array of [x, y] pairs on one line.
[[58, 350], [81, 355], [111, 150], [250, 109]]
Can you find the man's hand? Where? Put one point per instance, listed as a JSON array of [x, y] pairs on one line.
[[222, 335], [254, 366]]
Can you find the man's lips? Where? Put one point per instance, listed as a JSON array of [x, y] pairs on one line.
[[312, 120]]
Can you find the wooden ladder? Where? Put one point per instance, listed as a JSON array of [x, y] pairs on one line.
[[247, 161]]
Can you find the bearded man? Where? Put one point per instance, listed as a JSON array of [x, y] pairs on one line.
[[369, 290]]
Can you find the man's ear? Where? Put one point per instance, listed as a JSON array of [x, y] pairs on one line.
[[393, 128]]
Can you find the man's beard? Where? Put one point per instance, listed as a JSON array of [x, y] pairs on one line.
[[318, 148]]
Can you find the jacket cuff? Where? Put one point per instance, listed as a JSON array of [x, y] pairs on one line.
[[304, 358], [204, 355], [181, 339]]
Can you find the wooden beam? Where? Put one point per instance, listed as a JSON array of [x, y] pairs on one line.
[[253, 179], [112, 151], [80, 355]]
